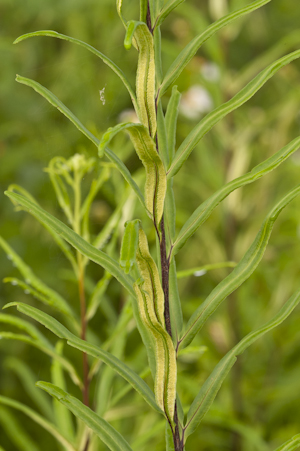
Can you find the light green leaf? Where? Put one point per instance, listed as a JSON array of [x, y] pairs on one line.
[[162, 136], [190, 50], [201, 270], [75, 240], [51, 98], [239, 274], [112, 438], [39, 420], [129, 245], [63, 417], [219, 113], [291, 444], [25, 326], [175, 304], [51, 297], [143, 10], [210, 388], [155, 187], [166, 10], [97, 295], [205, 209], [62, 332], [145, 77], [119, 10], [88, 47]]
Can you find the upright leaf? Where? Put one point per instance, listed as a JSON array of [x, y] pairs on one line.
[[129, 245], [166, 10], [210, 388], [190, 50], [239, 274], [220, 112], [171, 121], [145, 77]]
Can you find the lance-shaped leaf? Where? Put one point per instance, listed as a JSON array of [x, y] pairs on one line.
[[166, 10], [51, 98], [143, 10], [112, 438], [88, 47], [201, 214], [89, 251], [291, 444], [165, 355], [190, 50], [145, 77], [239, 274], [210, 388], [129, 244], [220, 112], [156, 182], [68, 445], [121, 368], [27, 327], [171, 121], [51, 297], [119, 10]]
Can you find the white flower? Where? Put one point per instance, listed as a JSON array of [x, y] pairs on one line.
[[195, 102]]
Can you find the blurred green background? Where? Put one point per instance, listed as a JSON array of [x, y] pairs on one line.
[[258, 406]]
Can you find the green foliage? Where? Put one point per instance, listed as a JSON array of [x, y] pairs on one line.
[[127, 315]]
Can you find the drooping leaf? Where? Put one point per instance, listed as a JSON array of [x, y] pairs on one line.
[[220, 112], [68, 445], [205, 209], [29, 328], [75, 240], [129, 245], [88, 47], [239, 274], [190, 50], [210, 388], [121, 368], [145, 77], [51, 98], [155, 187], [112, 438]]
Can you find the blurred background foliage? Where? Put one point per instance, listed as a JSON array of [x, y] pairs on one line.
[[258, 407]]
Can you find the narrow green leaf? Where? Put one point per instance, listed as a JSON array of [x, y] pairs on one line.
[[129, 245], [162, 138], [39, 420], [119, 10], [75, 240], [63, 417], [175, 304], [16, 432], [62, 332], [210, 388], [171, 121], [155, 187], [291, 444], [201, 270], [205, 209], [143, 10], [220, 112], [88, 47], [190, 50], [52, 297], [112, 438], [145, 77], [97, 295], [166, 10], [29, 328], [51, 98], [239, 274]]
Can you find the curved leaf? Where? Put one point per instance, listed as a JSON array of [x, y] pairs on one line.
[[105, 59], [291, 444], [75, 240], [39, 420], [205, 209], [219, 113], [112, 438], [190, 50], [156, 183], [51, 98], [121, 368], [201, 270], [166, 10], [25, 326], [210, 388], [145, 76], [239, 274]]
